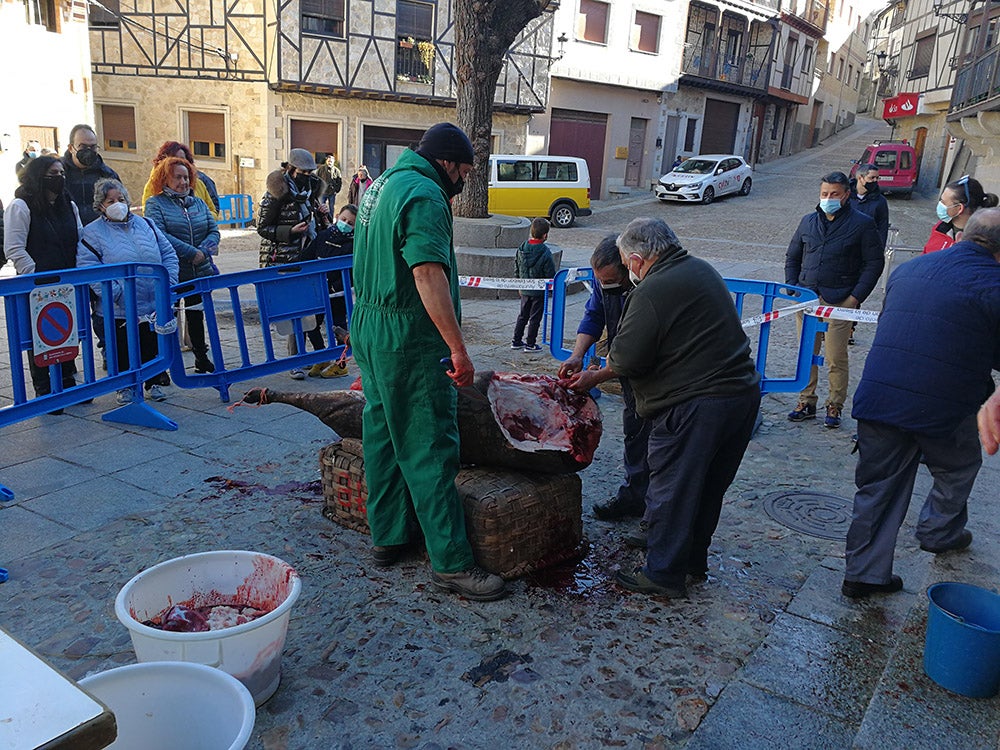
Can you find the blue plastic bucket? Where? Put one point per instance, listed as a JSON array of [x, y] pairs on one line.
[[962, 649]]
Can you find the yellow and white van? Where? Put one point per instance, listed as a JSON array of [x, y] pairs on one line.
[[557, 187]]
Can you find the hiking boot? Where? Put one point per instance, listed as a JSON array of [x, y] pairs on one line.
[[859, 590], [963, 541], [156, 393], [335, 370], [316, 371], [638, 582], [640, 539], [474, 583], [203, 364], [802, 412], [517, 345], [832, 420], [386, 557], [617, 509], [124, 396]]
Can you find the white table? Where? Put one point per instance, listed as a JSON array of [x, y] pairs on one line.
[[42, 709]]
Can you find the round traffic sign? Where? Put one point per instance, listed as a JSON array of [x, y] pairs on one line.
[[54, 324]]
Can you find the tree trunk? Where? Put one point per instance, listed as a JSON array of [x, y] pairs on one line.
[[484, 31]]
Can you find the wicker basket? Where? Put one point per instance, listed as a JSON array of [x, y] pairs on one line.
[[518, 522], [345, 494]]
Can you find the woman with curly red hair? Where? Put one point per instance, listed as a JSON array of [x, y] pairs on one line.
[[192, 231], [204, 186]]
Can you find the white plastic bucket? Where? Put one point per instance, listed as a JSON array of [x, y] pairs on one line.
[[251, 652], [170, 705]]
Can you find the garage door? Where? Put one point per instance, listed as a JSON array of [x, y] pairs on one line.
[[718, 135], [581, 134]]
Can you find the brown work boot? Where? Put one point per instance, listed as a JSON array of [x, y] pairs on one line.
[[474, 583]]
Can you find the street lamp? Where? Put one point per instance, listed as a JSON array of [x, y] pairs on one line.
[[881, 57], [562, 39], [939, 11]]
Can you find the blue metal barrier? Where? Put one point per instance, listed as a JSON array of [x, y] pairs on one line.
[[769, 292], [282, 295], [235, 210], [112, 278]]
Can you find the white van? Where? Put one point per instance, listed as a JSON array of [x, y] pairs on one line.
[[557, 187]]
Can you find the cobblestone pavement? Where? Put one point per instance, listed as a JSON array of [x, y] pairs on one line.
[[765, 654]]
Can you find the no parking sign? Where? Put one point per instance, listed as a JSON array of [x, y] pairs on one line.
[[53, 324]]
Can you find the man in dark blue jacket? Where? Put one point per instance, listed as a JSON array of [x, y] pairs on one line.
[[867, 199], [928, 372], [604, 311], [835, 252]]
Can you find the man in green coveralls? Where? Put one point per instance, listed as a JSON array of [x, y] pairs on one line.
[[406, 321]]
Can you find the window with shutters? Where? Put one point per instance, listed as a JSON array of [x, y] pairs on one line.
[[923, 51], [206, 134], [117, 128], [592, 22], [646, 32], [323, 17], [414, 20]]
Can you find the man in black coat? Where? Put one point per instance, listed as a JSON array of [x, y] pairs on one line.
[[84, 167], [835, 252], [867, 199]]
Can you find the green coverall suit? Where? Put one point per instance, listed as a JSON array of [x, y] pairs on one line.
[[409, 426]]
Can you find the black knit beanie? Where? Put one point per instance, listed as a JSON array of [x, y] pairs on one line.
[[448, 142]]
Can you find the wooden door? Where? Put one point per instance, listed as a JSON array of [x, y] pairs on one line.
[[718, 135], [582, 134], [636, 148]]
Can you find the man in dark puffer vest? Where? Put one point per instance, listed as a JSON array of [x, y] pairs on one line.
[[928, 372]]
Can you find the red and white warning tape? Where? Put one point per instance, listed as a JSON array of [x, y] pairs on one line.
[[826, 312], [491, 282]]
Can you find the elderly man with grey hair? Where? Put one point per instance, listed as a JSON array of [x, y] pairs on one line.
[[683, 349], [927, 375]]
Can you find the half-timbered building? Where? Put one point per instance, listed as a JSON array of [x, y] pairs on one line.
[[244, 81]]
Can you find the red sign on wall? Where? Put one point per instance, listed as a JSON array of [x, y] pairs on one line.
[[902, 105]]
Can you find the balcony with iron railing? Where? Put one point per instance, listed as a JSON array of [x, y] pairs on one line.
[[740, 70], [415, 60], [814, 12], [977, 85]]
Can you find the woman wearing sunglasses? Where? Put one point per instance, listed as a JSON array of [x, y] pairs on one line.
[[959, 200]]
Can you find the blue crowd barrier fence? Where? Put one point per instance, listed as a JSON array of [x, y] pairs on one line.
[[767, 292], [236, 210], [285, 298], [62, 303]]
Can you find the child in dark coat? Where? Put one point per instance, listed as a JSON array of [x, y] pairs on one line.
[[332, 242], [532, 261]]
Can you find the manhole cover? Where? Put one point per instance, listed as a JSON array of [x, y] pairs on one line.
[[812, 513]]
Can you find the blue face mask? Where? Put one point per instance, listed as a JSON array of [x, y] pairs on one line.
[[829, 205], [942, 212], [344, 227]]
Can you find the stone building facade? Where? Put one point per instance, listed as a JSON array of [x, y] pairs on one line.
[[244, 83]]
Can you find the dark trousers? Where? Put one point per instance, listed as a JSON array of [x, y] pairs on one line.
[[695, 449], [148, 348], [888, 459], [40, 375], [195, 325], [530, 316], [636, 429]]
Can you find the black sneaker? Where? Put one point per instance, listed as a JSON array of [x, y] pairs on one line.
[[963, 541], [532, 348], [859, 590], [617, 509], [517, 345], [802, 412]]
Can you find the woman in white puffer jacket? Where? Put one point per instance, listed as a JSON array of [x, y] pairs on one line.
[[117, 236]]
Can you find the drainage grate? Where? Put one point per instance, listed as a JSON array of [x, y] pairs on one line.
[[812, 513]]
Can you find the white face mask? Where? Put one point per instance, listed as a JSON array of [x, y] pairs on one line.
[[633, 277], [117, 211]]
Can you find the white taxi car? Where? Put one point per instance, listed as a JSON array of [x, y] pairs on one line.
[[702, 179]]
